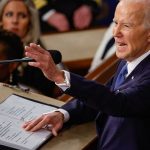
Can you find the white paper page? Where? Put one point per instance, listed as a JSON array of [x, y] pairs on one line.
[[13, 112], [11, 134], [22, 108]]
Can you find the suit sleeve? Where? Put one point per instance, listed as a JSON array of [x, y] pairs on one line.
[[134, 100], [79, 112]]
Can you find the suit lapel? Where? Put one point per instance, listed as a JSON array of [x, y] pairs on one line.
[[133, 75]]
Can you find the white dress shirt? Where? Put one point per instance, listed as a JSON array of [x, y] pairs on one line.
[[131, 65]]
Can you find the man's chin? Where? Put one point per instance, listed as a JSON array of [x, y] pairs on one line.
[[120, 55]]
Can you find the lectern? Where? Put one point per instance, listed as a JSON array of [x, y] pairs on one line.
[[74, 138]]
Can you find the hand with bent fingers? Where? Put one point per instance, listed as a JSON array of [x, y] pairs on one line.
[[44, 61], [55, 119]]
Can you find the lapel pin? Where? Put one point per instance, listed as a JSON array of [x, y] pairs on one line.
[[132, 77]]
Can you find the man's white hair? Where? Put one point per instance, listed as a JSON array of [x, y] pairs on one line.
[[146, 4]]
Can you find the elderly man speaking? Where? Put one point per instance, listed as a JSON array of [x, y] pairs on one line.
[[122, 106]]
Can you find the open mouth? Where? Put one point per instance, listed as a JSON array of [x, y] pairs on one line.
[[121, 47], [121, 44]]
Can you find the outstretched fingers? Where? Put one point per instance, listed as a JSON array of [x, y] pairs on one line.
[[39, 54], [34, 125], [35, 48]]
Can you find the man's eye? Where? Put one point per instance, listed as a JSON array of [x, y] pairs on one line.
[[115, 22], [126, 25]]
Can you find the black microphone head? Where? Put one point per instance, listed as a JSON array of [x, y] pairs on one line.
[[56, 55]]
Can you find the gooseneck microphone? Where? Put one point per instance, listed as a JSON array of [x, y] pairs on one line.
[[56, 55]]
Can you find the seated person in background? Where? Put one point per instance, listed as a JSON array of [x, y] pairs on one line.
[[106, 14], [64, 15], [11, 47], [21, 17], [123, 121], [106, 48]]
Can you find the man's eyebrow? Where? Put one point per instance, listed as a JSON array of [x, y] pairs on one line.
[[123, 22]]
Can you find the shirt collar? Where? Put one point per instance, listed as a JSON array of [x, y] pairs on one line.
[[131, 65]]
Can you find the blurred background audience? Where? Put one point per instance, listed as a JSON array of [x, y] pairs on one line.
[[21, 17], [63, 15], [9, 50], [106, 47], [66, 15], [106, 14], [27, 17], [105, 50]]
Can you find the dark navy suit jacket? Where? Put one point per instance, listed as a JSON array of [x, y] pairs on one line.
[[122, 116]]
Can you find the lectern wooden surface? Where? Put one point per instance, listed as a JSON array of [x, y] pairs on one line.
[[75, 138]]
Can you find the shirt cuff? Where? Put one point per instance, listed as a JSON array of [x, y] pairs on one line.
[[66, 84], [48, 14], [64, 112]]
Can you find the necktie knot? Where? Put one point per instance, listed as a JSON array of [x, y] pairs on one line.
[[121, 76]]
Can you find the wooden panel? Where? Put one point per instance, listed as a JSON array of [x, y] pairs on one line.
[[76, 64], [104, 71], [79, 66], [75, 45]]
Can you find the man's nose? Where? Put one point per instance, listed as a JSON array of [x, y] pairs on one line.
[[117, 31]]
